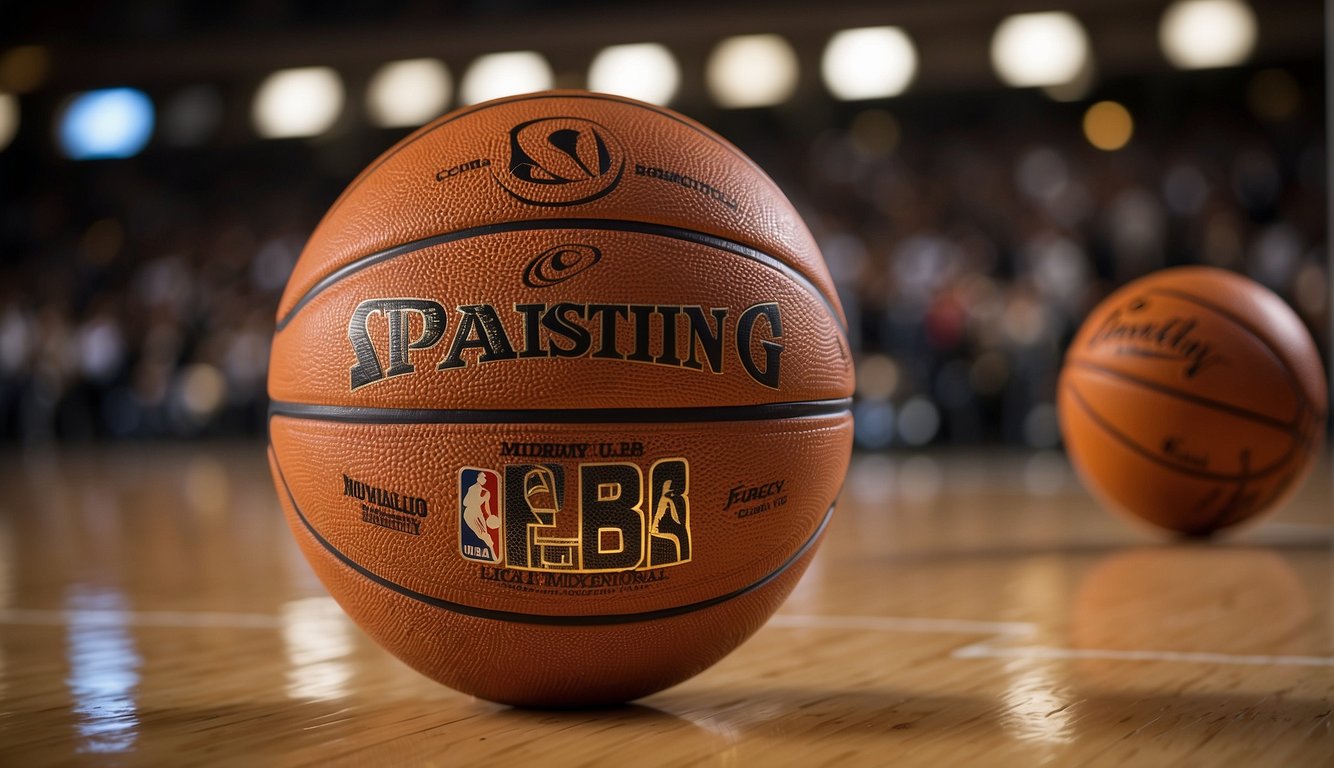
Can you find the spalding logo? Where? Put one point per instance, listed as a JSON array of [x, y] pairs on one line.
[[558, 264], [560, 161]]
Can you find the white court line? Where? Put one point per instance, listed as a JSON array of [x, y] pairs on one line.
[[985, 649], [172, 619], [1284, 533], [188, 619], [902, 624], [1295, 527], [1015, 630]]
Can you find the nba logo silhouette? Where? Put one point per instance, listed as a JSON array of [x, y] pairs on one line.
[[479, 515]]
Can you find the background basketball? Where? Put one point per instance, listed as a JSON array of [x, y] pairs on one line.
[[1192, 398], [560, 399]]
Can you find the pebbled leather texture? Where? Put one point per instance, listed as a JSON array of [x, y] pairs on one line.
[[634, 270], [734, 548], [399, 199]]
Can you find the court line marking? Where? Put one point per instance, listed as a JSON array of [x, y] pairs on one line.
[[984, 649], [1281, 526], [49, 617], [902, 624], [1018, 630]]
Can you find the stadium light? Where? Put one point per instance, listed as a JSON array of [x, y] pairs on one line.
[[114, 122], [752, 71], [408, 93], [1108, 125], [505, 74], [868, 63], [9, 119], [299, 102], [644, 71], [1199, 34], [1039, 49]]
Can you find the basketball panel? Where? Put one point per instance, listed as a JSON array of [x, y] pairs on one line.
[[1192, 334], [1266, 314], [1147, 489], [554, 156], [584, 519], [545, 666], [562, 318], [1180, 434]]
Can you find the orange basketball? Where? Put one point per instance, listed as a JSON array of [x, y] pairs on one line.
[[1193, 398], [560, 399]]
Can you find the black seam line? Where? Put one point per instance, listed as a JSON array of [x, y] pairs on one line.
[[618, 225], [367, 415], [1154, 458], [1291, 429], [585, 620]]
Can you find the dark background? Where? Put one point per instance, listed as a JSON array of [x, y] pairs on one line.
[[970, 226]]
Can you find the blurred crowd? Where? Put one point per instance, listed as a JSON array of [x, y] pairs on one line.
[[968, 238], [137, 297], [968, 248]]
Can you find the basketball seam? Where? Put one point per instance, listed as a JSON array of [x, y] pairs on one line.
[[579, 620], [378, 415], [1134, 446], [614, 225], [1292, 430]]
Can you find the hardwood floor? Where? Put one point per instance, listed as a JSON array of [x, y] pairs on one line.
[[965, 609]]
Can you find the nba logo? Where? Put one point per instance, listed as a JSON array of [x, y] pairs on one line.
[[479, 515]]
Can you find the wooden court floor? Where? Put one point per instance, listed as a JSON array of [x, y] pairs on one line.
[[965, 609]]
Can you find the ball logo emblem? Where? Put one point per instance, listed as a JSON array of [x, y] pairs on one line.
[[560, 161], [558, 264]]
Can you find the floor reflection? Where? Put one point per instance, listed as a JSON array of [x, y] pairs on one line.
[[318, 639], [103, 671], [1035, 707], [1189, 597]]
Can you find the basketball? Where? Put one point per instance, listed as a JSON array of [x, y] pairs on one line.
[[1192, 398], [560, 399]]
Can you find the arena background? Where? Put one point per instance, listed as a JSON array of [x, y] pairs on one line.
[[970, 225]]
